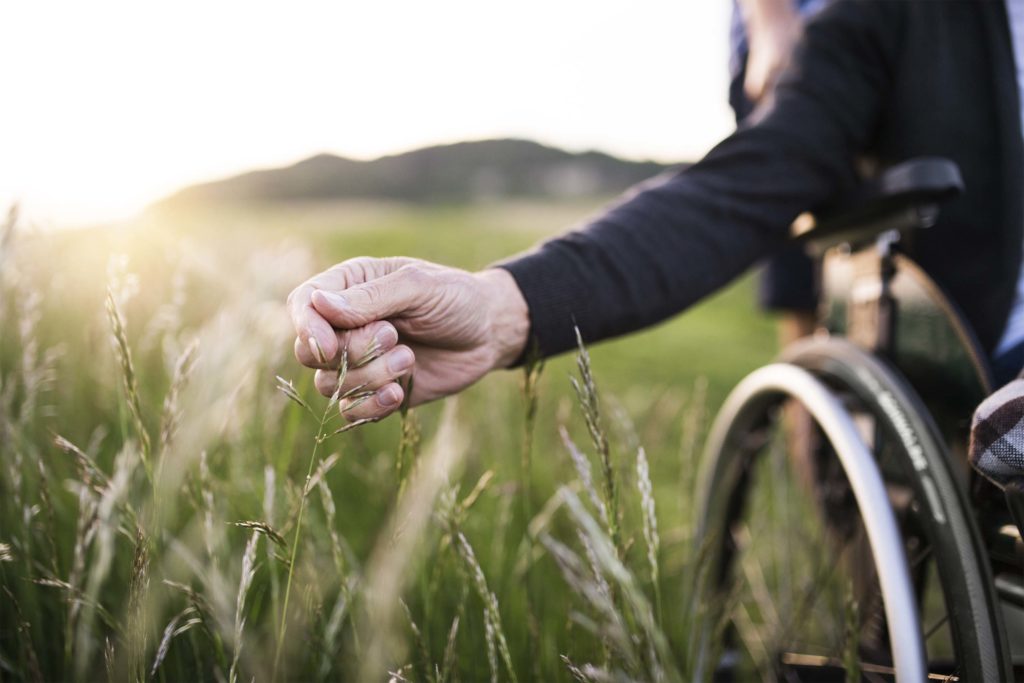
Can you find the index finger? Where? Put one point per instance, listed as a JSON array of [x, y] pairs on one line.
[[310, 326]]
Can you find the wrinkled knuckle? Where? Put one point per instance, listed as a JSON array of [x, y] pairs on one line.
[[358, 269], [416, 274], [372, 295]]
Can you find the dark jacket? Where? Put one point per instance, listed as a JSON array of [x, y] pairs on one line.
[[875, 80]]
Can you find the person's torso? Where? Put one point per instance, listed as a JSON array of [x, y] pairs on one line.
[[954, 94]]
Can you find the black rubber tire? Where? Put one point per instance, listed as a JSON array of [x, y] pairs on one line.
[[959, 557], [961, 562]]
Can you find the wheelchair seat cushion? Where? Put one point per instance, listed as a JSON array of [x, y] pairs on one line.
[[997, 436]]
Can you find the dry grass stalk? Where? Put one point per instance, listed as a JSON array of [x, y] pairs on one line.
[[325, 466], [202, 617], [574, 671], [409, 443], [131, 384], [138, 626], [111, 502], [533, 368], [347, 428], [171, 414], [85, 532], [286, 387], [321, 436], [582, 465], [586, 393], [600, 582], [650, 521], [622, 425], [50, 532], [73, 596], [269, 491], [611, 628], [277, 549], [373, 352], [490, 640], [171, 631], [211, 537], [109, 659], [448, 661], [332, 629], [244, 584], [658, 658], [356, 400], [266, 530], [88, 471], [338, 550], [421, 646], [492, 615], [474, 494], [295, 544], [269, 499]]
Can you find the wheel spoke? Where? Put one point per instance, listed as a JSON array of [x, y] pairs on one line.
[[923, 555], [867, 668], [936, 626], [810, 598]]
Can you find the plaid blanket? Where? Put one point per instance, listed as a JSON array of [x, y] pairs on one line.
[[997, 436]]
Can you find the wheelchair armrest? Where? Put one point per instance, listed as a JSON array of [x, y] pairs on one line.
[[903, 197]]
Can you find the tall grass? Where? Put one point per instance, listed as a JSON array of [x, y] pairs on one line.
[[147, 456]]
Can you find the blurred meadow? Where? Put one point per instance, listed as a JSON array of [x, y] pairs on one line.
[[156, 517]]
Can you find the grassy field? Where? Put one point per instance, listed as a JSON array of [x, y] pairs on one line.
[[153, 487]]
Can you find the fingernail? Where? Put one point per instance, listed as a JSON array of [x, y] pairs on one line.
[[386, 337], [389, 396], [336, 300], [317, 352], [400, 360]]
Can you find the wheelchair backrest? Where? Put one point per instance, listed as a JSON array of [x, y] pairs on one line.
[[884, 302]]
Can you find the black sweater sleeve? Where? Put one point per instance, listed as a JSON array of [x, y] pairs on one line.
[[677, 239]]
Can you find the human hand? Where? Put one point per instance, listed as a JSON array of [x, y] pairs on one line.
[[773, 27], [396, 316]]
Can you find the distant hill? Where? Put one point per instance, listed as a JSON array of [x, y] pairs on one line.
[[448, 173]]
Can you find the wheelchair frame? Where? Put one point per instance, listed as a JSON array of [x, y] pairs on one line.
[[811, 373]]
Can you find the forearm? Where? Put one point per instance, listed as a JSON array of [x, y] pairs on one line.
[[653, 255]]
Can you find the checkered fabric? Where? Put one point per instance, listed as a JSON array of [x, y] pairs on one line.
[[997, 436]]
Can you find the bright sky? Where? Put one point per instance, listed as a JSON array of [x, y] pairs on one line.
[[110, 105]]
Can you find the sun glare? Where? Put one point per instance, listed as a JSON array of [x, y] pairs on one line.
[[113, 105]]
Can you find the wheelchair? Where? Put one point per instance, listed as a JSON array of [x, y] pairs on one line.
[[842, 533]]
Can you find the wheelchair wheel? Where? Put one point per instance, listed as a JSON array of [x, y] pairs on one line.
[[843, 551]]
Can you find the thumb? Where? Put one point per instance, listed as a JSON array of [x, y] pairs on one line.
[[385, 297]]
